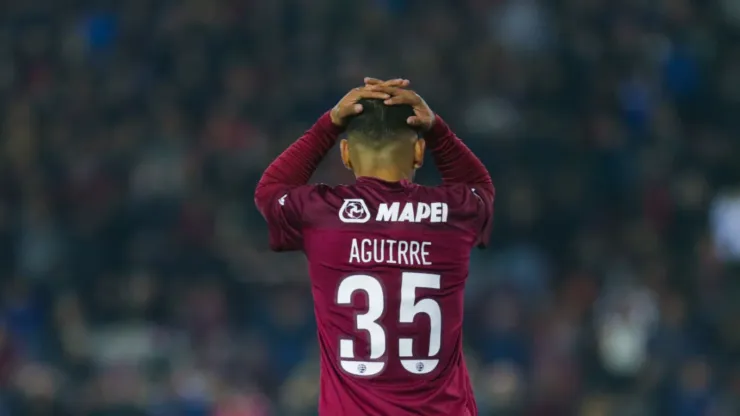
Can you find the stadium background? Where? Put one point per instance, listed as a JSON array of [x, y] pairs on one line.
[[135, 274]]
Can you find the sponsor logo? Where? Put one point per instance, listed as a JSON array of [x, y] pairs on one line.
[[412, 212], [354, 211]]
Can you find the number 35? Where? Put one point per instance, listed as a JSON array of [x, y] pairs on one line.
[[410, 306]]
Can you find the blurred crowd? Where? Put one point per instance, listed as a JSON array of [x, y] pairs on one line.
[[135, 277]]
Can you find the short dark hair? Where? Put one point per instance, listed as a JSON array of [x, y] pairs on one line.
[[380, 124]]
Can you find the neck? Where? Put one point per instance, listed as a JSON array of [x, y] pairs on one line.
[[385, 164]]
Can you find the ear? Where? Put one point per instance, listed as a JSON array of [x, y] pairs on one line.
[[419, 148], [344, 151]]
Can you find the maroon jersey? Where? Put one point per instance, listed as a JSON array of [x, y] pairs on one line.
[[388, 263]]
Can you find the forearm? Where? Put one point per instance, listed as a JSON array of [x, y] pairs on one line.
[[295, 166]]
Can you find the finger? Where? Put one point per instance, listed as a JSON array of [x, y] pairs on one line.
[[347, 111], [397, 82], [401, 99], [373, 81], [388, 89], [414, 121], [378, 95]]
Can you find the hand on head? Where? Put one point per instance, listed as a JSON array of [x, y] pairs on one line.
[[423, 117], [392, 92], [348, 106]]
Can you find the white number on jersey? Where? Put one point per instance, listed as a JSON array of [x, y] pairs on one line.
[[410, 307]]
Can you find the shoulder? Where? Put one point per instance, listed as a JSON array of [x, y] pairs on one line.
[[308, 192], [319, 193], [297, 200], [320, 201], [457, 195], [469, 204]]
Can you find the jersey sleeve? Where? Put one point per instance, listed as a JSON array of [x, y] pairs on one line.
[[282, 193], [285, 219], [482, 203], [475, 209], [465, 177]]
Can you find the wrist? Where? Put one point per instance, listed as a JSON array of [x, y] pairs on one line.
[[437, 129], [335, 120], [326, 121], [431, 124]]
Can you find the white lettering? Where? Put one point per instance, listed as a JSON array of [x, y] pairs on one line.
[[414, 252], [425, 252], [367, 254], [388, 213], [379, 251], [412, 212], [407, 215], [436, 212], [403, 249], [391, 246], [354, 252], [422, 212]]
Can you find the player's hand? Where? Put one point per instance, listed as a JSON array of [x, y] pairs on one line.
[[423, 117], [397, 82], [348, 106]]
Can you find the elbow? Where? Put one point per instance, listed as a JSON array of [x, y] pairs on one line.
[[486, 187], [266, 194], [487, 191]]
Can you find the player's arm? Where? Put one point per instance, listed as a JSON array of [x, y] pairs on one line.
[[456, 162], [458, 165], [282, 192]]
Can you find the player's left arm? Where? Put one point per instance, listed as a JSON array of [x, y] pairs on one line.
[[467, 180], [465, 174], [282, 192]]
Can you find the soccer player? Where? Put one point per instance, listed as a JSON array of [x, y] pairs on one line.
[[388, 258]]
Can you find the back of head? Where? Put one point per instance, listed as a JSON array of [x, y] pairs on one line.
[[380, 125]]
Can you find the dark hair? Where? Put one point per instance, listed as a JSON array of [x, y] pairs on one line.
[[380, 124]]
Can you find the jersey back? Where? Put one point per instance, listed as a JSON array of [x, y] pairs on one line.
[[388, 264]]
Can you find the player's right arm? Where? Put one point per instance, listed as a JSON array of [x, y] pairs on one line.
[[282, 191]]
